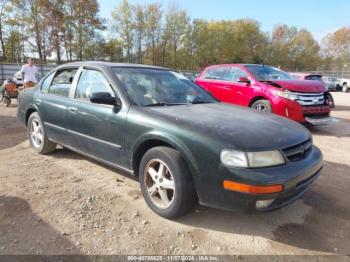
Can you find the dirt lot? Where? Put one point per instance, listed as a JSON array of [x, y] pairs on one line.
[[64, 203]]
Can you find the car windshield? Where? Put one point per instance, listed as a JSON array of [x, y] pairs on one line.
[[267, 73], [155, 87]]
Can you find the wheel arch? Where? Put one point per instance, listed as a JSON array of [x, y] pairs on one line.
[[253, 100], [153, 140], [30, 110]]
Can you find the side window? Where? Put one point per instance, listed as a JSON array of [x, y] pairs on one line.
[[218, 73], [62, 82], [91, 81], [236, 73], [46, 83]]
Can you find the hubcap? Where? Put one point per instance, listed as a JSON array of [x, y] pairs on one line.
[[36, 133], [261, 107], [159, 183]]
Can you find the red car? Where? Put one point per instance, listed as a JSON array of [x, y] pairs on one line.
[[268, 89]]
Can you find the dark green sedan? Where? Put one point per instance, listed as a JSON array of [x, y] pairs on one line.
[[185, 146]]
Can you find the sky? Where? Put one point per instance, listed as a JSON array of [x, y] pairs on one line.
[[319, 17]]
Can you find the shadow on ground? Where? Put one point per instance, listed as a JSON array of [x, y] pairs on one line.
[[319, 221], [69, 154], [339, 128], [24, 232], [11, 132]]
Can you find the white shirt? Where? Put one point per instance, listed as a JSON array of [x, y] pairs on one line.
[[30, 73]]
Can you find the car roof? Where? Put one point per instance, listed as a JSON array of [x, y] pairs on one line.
[[107, 64], [238, 65]]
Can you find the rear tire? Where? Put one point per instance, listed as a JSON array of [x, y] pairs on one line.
[[37, 136], [166, 182], [262, 105], [345, 88]]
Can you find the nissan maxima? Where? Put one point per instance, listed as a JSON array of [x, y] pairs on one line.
[[183, 145]]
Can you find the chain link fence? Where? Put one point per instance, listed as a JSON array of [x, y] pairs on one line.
[[8, 70]]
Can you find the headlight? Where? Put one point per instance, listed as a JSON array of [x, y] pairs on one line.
[[287, 95], [234, 158]]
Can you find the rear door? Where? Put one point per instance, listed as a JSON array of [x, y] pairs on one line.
[[53, 103], [95, 129], [217, 81]]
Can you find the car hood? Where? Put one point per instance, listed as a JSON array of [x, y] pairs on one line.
[[302, 86], [235, 126]]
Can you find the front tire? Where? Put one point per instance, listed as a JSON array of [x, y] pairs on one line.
[[166, 183], [330, 100], [262, 105], [37, 136]]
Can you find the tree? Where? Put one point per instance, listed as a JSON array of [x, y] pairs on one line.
[[176, 27], [337, 44], [85, 22], [304, 51], [140, 30], [122, 24], [279, 48], [55, 11], [153, 26], [2, 23], [13, 46]]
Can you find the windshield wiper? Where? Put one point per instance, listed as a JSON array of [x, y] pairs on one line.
[[201, 102], [164, 104]]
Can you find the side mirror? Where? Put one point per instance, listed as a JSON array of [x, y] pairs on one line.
[[105, 98], [244, 79]]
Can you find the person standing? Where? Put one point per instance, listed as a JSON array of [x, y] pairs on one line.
[[29, 74]]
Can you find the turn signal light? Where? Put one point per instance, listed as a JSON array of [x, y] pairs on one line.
[[244, 188]]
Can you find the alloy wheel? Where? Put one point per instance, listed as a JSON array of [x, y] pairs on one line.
[[261, 107], [36, 133], [159, 183]]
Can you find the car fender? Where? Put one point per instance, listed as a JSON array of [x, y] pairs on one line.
[[171, 140]]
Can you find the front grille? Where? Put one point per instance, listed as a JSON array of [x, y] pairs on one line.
[[317, 111], [307, 99], [299, 151]]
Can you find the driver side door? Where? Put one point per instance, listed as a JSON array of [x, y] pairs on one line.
[[241, 91]]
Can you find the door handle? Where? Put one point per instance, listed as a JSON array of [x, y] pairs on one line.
[[73, 109], [226, 87]]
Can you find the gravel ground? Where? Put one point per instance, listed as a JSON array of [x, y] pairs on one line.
[[64, 203]]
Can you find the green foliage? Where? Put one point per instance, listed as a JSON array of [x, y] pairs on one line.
[[336, 49]]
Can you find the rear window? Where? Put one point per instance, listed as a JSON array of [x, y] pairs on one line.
[[62, 82], [218, 73]]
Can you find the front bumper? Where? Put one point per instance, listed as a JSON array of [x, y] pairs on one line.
[[303, 114], [319, 121], [296, 178]]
